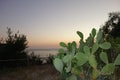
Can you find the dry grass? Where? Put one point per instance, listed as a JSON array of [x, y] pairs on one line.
[[41, 72]]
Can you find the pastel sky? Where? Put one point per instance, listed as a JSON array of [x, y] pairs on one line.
[[48, 22]]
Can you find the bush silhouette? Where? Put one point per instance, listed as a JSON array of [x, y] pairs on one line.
[[112, 26], [13, 48]]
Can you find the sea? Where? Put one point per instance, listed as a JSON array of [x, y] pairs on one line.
[[43, 52]]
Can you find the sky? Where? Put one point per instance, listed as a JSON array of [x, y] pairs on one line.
[[46, 23]]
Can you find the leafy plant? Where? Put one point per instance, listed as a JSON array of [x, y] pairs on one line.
[[87, 62]]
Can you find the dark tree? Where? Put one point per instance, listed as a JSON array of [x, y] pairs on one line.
[[111, 31], [112, 26], [13, 48], [17, 44]]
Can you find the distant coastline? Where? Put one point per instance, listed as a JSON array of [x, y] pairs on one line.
[[43, 52], [42, 49]]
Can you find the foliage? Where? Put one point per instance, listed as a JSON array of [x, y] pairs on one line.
[[50, 59], [87, 62], [112, 26], [111, 31], [19, 41], [13, 48], [34, 59]]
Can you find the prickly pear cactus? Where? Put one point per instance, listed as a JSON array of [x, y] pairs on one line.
[[89, 61]]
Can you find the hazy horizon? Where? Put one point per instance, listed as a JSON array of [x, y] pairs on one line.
[[48, 22]]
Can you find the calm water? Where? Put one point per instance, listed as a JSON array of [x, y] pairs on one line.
[[44, 52]]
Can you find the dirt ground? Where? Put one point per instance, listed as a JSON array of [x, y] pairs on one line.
[[39, 72]]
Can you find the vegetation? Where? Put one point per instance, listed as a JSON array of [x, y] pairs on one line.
[[112, 26], [111, 31], [36, 72], [13, 52], [89, 61], [34, 60], [97, 58], [13, 48]]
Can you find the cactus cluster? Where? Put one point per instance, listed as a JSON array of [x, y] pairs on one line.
[[89, 61]]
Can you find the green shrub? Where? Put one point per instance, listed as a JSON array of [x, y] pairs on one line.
[[89, 61]]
